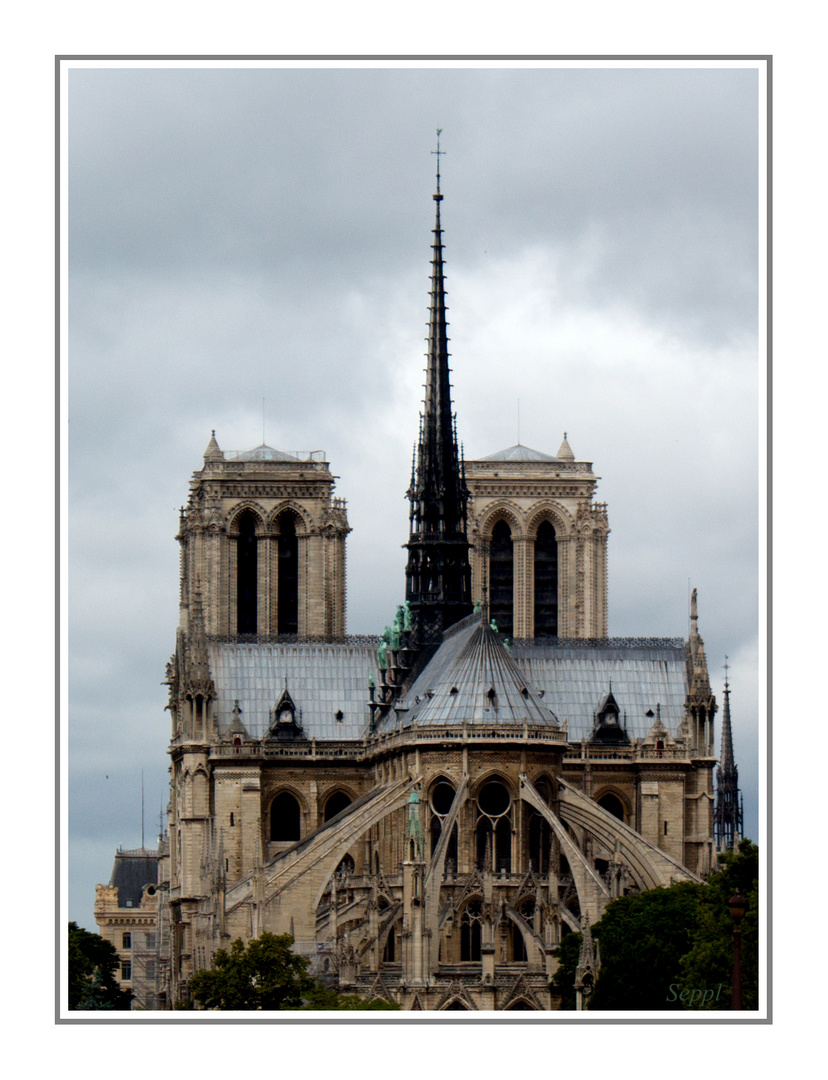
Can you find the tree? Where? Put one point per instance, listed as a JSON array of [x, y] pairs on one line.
[[563, 981], [266, 975], [93, 965], [672, 948], [709, 961], [642, 940]]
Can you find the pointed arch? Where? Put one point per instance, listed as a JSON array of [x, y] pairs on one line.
[[247, 528]]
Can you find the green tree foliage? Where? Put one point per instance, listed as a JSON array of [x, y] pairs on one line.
[[93, 965], [642, 940], [266, 975], [709, 962], [563, 981], [662, 942]]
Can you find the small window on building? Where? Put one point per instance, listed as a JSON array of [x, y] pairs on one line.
[[150, 941], [149, 971], [665, 828], [340, 716], [232, 820], [128, 903], [126, 941], [126, 970]]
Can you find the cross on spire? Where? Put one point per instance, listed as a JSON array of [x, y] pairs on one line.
[[438, 152]]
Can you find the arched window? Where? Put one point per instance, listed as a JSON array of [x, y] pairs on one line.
[[494, 826], [440, 800], [471, 930], [285, 818], [501, 578], [288, 547], [247, 574], [390, 950], [613, 804], [546, 581], [336, 804]]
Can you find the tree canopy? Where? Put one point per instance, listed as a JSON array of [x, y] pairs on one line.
[[658, 944], [93, 965], [265, 974]]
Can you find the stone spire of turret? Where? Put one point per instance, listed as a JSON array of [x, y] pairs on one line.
[[700, 679], [213, 452], [197, 679], [438, 577], [565, 451]]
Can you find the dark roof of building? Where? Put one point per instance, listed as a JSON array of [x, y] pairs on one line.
[[131, 871]]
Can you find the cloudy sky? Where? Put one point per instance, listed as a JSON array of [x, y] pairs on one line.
[[249, 252]]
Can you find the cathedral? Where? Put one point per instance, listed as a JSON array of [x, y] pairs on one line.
[[430, 810]]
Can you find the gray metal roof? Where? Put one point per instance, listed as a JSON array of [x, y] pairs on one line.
[[575, 680], [473, 679], [322, 680], [518, 452]]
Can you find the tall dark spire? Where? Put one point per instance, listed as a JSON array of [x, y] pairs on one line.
[[438, 578], [727, 816]]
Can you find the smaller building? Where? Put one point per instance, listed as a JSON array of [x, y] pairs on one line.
[[128, 913]]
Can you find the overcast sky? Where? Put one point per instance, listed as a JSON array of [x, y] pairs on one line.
[[240, 235]]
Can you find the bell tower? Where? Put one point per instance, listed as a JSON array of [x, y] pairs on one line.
[[263, 546]]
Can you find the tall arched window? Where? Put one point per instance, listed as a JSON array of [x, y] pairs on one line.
[[471, 931], [288, 576], [546, 581], [247, 575], [501, 578], [494, 827], [285, 818]]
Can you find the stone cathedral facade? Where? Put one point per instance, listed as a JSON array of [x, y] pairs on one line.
[[429, 811]]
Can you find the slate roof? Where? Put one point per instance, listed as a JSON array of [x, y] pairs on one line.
[[131, 871]]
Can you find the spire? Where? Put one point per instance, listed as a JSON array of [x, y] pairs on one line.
[[727, 762], [565, 451], [727, 815], [438, 578], [213, 453]]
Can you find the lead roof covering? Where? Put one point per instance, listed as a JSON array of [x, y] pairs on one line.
[[575, 679], [322, 680]]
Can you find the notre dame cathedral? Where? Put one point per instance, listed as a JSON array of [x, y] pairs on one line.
[[427, 812]]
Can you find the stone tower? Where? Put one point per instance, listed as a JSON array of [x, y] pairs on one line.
[[263, 543], [437, 576], [539, 543]]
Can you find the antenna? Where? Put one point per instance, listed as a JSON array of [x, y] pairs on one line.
[[142, 808]]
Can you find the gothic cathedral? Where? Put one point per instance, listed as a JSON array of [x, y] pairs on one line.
[[427, 812]]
